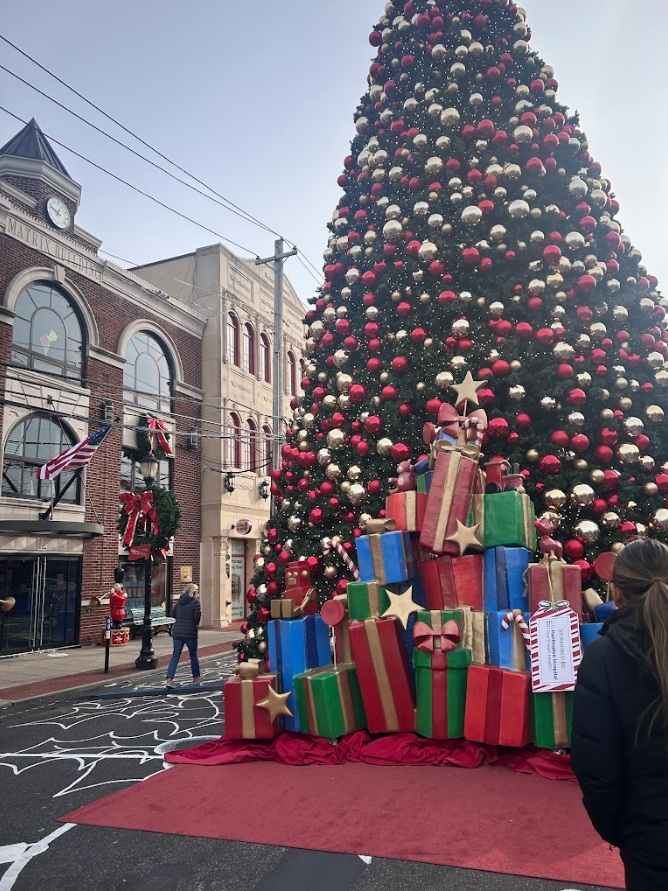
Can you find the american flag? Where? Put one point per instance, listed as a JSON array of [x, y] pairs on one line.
[[76, 456]]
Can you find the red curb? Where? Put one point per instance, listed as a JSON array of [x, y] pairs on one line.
[[72, 681]]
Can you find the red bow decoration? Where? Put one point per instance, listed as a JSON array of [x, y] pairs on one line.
[[157, 431], [135, 506], [457, 429], [430, 640], [449, 420]]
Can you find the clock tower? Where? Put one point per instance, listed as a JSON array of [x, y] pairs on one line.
[[34, 176]]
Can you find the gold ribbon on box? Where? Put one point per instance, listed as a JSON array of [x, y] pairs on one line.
[[446, 498], [555, 577], [382, 677], [560, 718], [528, 520], [373, 596], [377, 527]]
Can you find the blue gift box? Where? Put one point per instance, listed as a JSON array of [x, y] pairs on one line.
[[605, 610], [589, 632], [296, 645], [507, 648], [505, 583], [386, 558]]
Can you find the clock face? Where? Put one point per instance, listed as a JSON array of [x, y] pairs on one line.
[[58, 213]]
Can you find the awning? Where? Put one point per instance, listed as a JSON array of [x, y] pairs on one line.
[[51, 528]]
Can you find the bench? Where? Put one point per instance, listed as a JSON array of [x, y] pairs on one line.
[[159, 620]]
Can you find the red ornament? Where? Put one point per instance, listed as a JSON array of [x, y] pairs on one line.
[[498, 428], [573, 549], [661, 479], [263, 615], [603, 454], [523, 421], [599, 505], [400, 452], [317, 516], [501, 368], [357, 393], [389, 393], [375, 487], [433, 406], [559, 439], [579, 442], [404, 411], [373, 424], [576, 397], [399, 364], [550, 464]]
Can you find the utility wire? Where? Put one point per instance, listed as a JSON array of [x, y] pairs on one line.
[[228, 204], [136, 188]]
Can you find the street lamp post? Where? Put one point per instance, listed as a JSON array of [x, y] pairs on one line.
[[147, 658]]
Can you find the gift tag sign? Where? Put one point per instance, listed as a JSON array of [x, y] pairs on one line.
[[556, 650]]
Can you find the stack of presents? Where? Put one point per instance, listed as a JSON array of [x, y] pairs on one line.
[[452, 631]]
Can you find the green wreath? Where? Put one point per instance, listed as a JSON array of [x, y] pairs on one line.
[[144, 442], [169, 521]]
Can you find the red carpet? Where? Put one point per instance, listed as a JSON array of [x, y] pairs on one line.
[[489, 819]]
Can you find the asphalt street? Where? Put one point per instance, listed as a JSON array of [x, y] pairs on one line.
[[60, 753]]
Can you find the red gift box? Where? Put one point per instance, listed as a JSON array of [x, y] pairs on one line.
[[554, 580], [407, 510], [498, 707], [243, 718], [450, 582], [449, 500], [383, 675]]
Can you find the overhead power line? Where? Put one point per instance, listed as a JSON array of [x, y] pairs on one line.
[[224, 202]]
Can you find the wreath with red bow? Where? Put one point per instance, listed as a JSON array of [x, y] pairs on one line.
[[147, 521], [153, 438]]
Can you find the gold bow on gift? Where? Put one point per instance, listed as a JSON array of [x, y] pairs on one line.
[[377, 527], [249, 669], [445, 638]]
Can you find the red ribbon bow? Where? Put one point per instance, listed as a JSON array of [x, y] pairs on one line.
[[449, 420], [135, 505], [156, 431], [430, 640]]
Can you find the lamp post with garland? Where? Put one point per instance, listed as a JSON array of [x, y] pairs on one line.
[[147, 658]]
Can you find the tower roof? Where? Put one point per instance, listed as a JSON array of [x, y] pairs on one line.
[[31, 143]]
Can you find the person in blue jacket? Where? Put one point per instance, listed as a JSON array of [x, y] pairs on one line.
[[187, 611]]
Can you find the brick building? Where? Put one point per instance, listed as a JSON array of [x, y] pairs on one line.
[[82, 342]]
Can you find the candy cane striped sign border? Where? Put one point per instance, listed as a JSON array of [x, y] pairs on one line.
[[576, 645]]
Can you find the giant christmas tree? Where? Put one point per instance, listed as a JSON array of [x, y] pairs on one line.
[[475, 233]]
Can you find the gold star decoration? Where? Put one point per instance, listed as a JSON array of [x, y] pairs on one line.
[[276, 704], [401, 606], [467, 391], [465, 537]]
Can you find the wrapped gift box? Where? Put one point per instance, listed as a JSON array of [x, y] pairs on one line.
[[424, 482], [366, 600], [498, 707], [330, 701], [449, 500], [385, 558], [476, 635], [554, 580], [243, 718], [450, 582], [589, 632], [552, 717], [383, 676], [505, 579], [407, 510], [440, 674], [507, 648], [506, 518], [296, 645]]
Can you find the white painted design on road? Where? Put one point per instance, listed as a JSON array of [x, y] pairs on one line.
[[20, 855]]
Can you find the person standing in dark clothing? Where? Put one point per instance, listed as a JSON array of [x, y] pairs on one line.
[[620, 718], [187, 612]]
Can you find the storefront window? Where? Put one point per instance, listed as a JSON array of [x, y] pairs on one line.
[[238, 579], [134, 583], [31, 444]]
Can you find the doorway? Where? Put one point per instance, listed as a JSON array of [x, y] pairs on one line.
[[47, 591]]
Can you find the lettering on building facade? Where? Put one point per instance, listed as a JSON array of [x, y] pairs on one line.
[[45, 245]]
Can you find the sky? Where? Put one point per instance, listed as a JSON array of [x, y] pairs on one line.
[[257, 100]]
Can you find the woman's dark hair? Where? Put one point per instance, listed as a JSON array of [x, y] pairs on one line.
[[640, 573]]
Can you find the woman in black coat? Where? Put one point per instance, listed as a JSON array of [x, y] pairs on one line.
[[187, 612], [620, 719]]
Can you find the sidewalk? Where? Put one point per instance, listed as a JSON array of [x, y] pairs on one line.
[[38, 674]]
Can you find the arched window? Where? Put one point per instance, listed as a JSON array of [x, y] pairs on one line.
[[265, 359], [250, 446], [47, 333], [33, 442], [232, 339], [249, 349], [147, 377], [265, 450], [233, 451], [292, 374]]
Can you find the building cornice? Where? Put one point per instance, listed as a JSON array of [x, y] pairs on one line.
[[12, 165]]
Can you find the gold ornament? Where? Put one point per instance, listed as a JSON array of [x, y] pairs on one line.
[[345, 487], [607, 414], [402, 606], [582, 494], [654, 413], [555, 498], [335, 438], [354, 472], [629, 453], [611, 519], [588, 531], [515, 365], [356, 493], [633, 426], [276, 704], [330, 572], [597, 477], [383, 446], [262, 646], [650, 489], [660, 519], [333, 471], [466, 537], [532, 456]]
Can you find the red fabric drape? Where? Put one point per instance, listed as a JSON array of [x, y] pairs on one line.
[[397, 748]]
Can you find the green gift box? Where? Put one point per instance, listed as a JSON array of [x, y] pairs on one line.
[[551, 718], [441, 673], [366, 600], [329, 701], [506, 520]]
